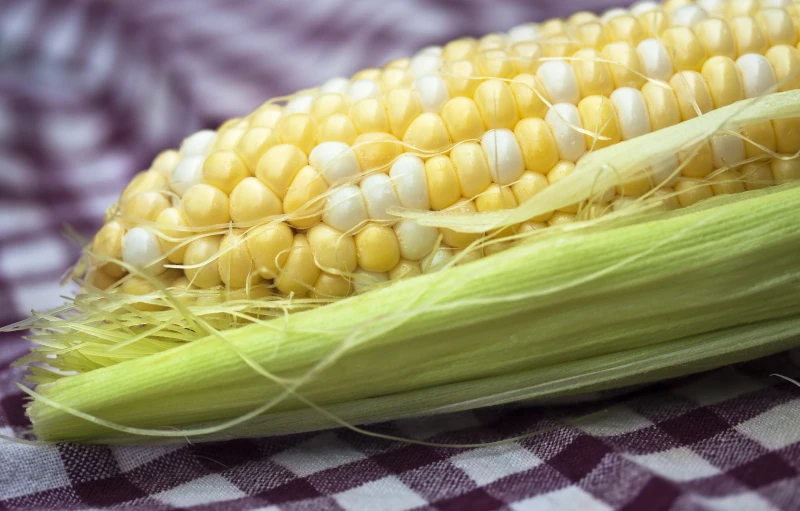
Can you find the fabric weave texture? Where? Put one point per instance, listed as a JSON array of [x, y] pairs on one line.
[[90, 91]]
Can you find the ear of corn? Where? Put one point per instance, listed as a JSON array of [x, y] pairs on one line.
[[562, 137]]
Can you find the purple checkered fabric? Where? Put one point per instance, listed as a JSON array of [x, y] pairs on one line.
[[90, 91]]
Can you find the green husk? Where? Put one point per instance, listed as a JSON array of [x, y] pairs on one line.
[[561, 314]]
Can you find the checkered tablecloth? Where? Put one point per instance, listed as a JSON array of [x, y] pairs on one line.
[[90, 91]]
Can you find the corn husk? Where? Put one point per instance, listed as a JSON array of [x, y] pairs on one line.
[[628, 299]]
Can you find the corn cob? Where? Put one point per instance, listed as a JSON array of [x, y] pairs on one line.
[[301, 199], [436, 160]]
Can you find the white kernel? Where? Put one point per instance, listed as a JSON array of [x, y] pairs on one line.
[[345, 208], [424, 64], [338, 85], [335, 161], [432, 92], [299, 105], [437, 260], [640, 8], [713, 7], [757, 75], [523, 33], [504, 155], [198, 144], [140, 249], [571, 142], [416, 241], [363, 279], [634, 119], [431, 50], [688, 15], [727, 150], [379, 196], [558, 79], [362, 89], [655, 57], [410, 183], [613, 13], [187, 173]]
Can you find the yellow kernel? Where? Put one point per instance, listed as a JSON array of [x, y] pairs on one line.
[[527, 186], [371, 73], [329, 285], [723, 80], [427, 133], [759, 134], [337, 128], [456, 239], [561, 218], [495, 198], [396, 78], [377, 248], [166, 161], [538, 145], [224, 169], [496, 103], [561, 170], [200, 262], [253, 144], [594, 76], [757, 175], [299, 273], [726, 182], [530, 96], [303, 201], [107, 244], [626, 65], [777, 26], [173, 226], [376, 151], [784, 171], [461, 77], [464, 48], [598, 116], [269, 247], [785, 62], [443, 187], [748, 35], [333, 250], [234, 263], [278, 167], [253, 201], [266, 116], [144, 206], [495, 64], [369, 115], [405, 269], [144, 182], [462, 118], [787, 135], [228, 139], [527, 57], [625, 28], [662, 105], [691, 191], [654, 23], [685, 48], [697, 162], [591, 35], [328, 104], [717, 37], [692, 94], [472, 168], [402, 107], [299, 130], [206, 205]]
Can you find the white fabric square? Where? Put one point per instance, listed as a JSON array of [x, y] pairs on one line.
[[205, 490], [27, 469], [387, 494], [721, 386], [776, 428], [617, 420], [320, 453], [736, 503], [34, 257], [488, 464], [130, 457], [40, 297], [571, 498], [679, 464]]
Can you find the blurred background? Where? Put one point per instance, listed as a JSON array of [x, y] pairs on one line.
[[90, 91]]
